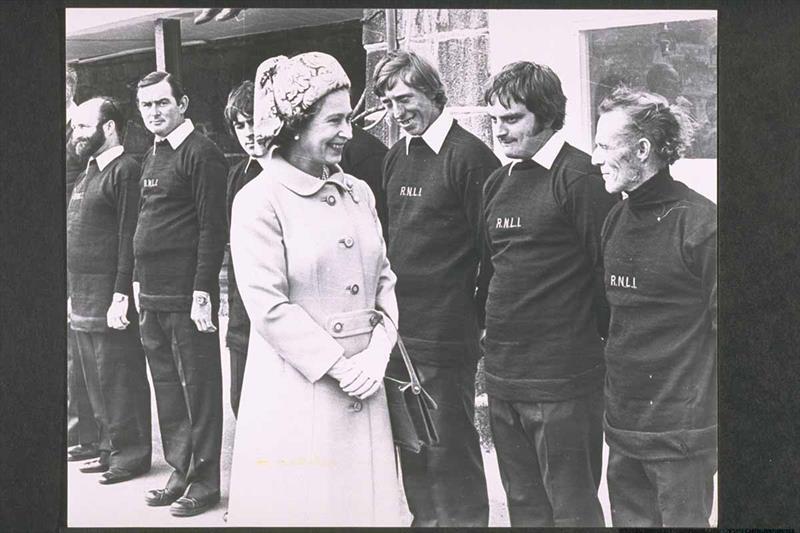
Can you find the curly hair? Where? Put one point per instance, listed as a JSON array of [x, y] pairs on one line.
[[413, 70], [536, 86], [667, 127]]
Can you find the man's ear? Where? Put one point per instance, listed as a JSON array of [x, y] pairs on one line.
[[183, 104], [643, 149]]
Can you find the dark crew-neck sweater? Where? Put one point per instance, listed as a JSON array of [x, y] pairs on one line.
[[434, 244], [238, 332], [101, 220], [363, 158], [660, 271], [181, 234], [546, 310]]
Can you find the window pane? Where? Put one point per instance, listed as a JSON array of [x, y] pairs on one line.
[[676, 59]]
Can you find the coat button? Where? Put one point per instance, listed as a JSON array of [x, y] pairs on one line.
[[374, 320], [356, 406], [331, 200], [338, 327], [348, 242], [353, 289]]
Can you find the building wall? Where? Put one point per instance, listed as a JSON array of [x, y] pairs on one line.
[[211, 71], [456, 41]]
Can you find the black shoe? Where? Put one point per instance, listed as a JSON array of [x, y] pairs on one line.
[[161, 497], [82, 452], [116, 474], [191, 506], [94, 466]]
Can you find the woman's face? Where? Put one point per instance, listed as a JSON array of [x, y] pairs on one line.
[[323, 139]]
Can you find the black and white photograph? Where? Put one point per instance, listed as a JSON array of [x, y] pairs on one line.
[[370, 267]]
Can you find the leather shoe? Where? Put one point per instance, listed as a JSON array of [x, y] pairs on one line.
[[94, 466], [161, 497], [82, 452], [118, 475], [190, 506]]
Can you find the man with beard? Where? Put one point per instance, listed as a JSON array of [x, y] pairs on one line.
[[179, 244], [82, 431], [101, 220], [546, 312], [660, 255], [433, 180]]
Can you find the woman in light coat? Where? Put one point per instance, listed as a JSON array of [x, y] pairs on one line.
[[313, 440]]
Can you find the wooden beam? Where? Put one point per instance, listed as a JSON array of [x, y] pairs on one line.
[[168, 46]]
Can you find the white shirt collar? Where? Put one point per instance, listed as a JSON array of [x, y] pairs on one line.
[[547, 153], [107, 157], [176, 136], [250, 162], [435, 134]]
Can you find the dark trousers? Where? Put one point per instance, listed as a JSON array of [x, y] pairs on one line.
[[550, 456], [660, 493], [187, 378], [238, 360], [81, 425], [115, 372], [445, 484]]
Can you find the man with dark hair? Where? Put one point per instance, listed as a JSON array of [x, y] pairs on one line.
[[178, 245], [660, 252], [82, 430], [546, 312], [239, 119], [433, 180], [101, 220]]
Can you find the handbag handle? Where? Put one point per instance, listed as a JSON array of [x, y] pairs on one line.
[[416, 388]]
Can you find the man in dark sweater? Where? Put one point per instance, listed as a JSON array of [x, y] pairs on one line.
[[363, 158], [660, 251], [546, 311], [101, 220], [178, 245], [433, 180], [239, 118], [82, 430]]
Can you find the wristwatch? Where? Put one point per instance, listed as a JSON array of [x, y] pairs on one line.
[[201, 299]]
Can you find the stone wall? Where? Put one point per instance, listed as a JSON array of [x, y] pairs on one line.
[[456, 41]]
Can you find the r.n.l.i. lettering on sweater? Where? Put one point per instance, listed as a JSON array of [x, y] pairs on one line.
[[411, 191], [624, 282]]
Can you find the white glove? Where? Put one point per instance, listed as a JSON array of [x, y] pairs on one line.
[[116, 317], [369, 366]]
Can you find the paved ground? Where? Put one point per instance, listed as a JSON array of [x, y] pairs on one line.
[[93, 505]]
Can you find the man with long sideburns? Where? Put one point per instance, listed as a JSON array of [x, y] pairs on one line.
[[101, 220], [433, 180], [660, 254], [179, 244], [546, 312]]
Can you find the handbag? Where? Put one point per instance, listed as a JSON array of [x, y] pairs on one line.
[[410, 408]]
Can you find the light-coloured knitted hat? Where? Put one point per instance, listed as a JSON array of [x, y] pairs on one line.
[[286, 87]]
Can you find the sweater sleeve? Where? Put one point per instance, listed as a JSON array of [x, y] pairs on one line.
[[469, 185], [700, 252], [586, 203], [259, 255], [122, 191], [208, 171]]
